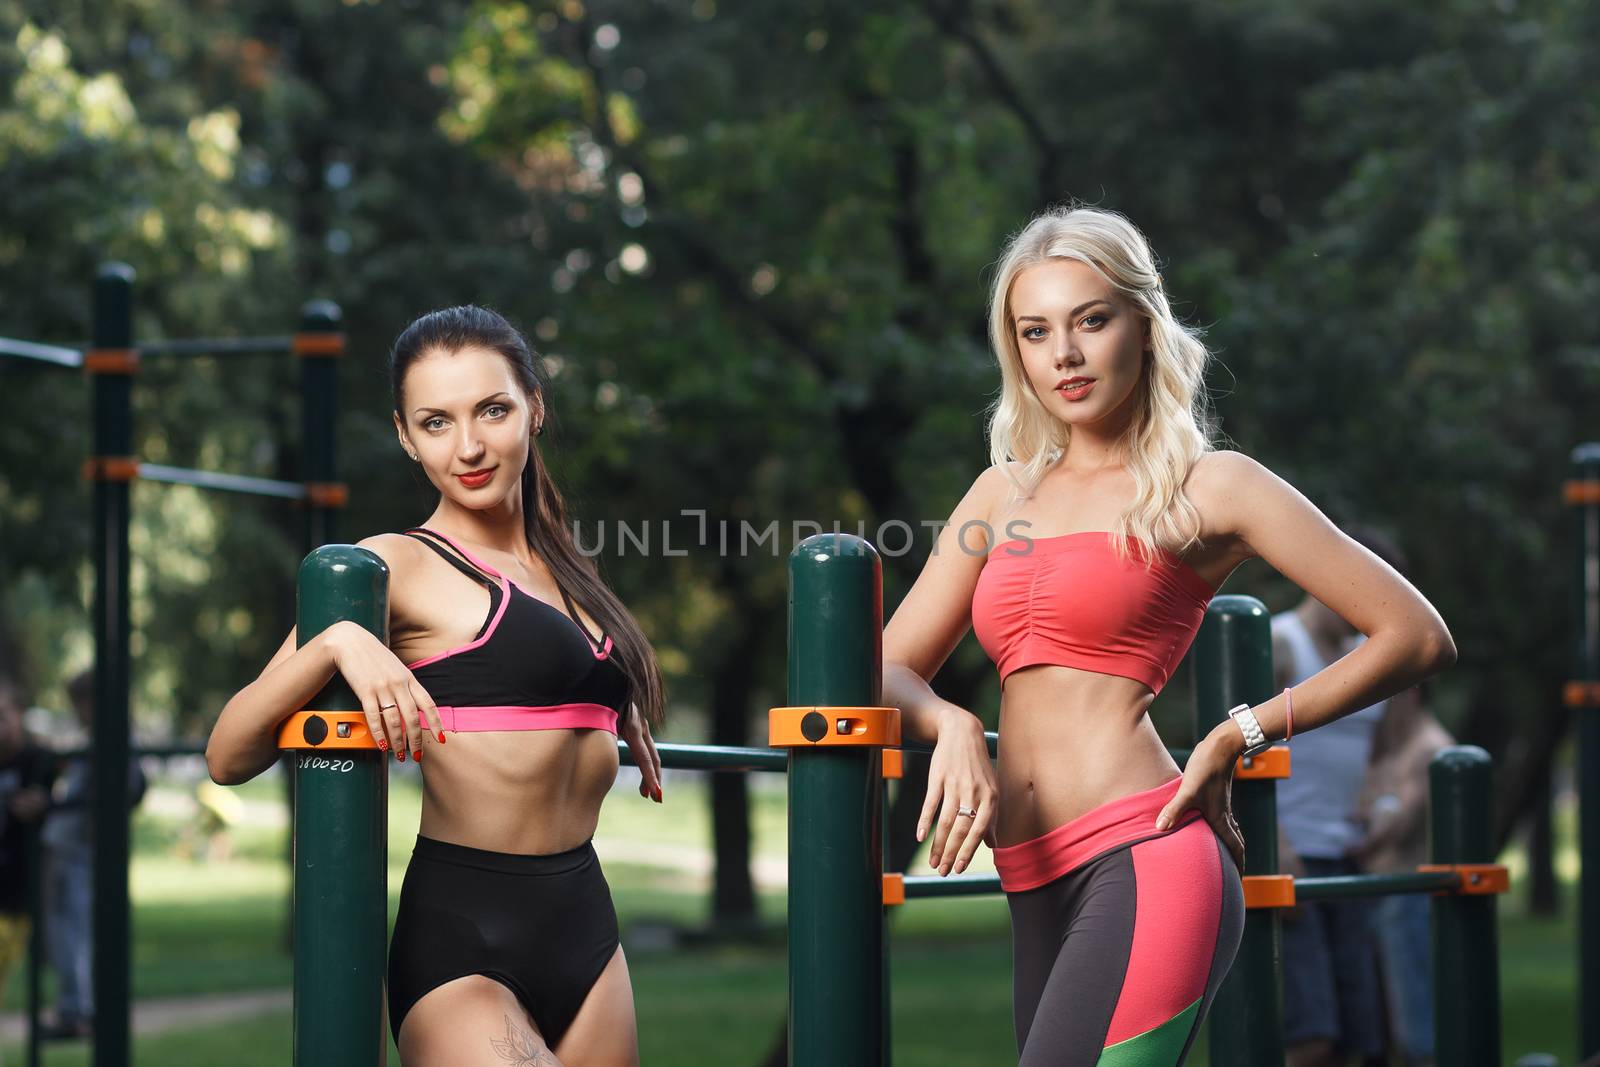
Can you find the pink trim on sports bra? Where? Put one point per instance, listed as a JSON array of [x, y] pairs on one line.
[[553, 717], [599, 653], [494, 624]]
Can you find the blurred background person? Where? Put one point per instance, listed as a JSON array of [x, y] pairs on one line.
[[68, 838], [26, 770], [1332, 1009]]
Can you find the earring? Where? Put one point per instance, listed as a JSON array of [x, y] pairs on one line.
[[538, 431]]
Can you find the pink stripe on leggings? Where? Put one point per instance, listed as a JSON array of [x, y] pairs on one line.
[[1115, 823], [1179, 883]]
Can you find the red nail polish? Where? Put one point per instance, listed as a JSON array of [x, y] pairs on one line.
[[400, 756], [417, 755], [383, 744], [441, 737]]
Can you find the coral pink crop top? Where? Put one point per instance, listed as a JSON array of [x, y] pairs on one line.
[[1069, 601]]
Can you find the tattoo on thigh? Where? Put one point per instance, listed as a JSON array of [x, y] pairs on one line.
[[522, 1047]]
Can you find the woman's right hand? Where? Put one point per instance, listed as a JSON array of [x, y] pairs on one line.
[[960, 776], [397, 708]]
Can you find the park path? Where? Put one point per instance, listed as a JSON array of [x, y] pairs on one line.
[[178, 1013]]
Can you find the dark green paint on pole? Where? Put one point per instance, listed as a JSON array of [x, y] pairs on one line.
[[113, 437], [1586, 668], [340, 838], [1233, 665], [1466, 954], [836, 928]]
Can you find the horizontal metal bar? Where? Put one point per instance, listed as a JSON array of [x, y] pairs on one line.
[[1373, 885], [219, 346], [955, 885], [716, 758], [233, 483], [61, 357]]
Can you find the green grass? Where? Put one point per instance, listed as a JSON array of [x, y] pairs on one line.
[[205, 927]]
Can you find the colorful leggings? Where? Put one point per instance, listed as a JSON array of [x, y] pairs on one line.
[[1120, 934]]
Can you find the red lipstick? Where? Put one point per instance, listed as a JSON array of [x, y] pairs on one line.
[[477, 479]]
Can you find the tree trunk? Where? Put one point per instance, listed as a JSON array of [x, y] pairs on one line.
[[733, 897]]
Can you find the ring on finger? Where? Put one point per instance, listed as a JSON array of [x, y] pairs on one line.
[[386, 707], [966, 813]]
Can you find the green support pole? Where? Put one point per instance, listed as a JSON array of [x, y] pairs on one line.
[[110, 364], [33, 864], [836, 927], [1233, 665], [319, 345], [1583, 495], [1466, 955], [341, 830]]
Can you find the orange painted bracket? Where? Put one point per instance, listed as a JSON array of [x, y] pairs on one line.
[[1269, 890], [111, 361], [1578, 493], [110, 469], [1273, 763], [323, 345], [815, 726], [894, 765], [327, 494], [324, 730], [1477, 879], [1581, 695], [894, 890]]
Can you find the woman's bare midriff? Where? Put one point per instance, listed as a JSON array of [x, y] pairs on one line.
[[529, 792], [1071, 740]]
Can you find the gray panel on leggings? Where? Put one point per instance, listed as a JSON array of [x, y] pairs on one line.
[[1071, 940]]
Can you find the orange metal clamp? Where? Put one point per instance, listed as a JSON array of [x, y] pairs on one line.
[[813, 726], [1477, 879], [111, 361], [1273, 763], [1268, 890], [1577, 493], [325, 345], [110, 469], [1581, 695], [324, 730], [894, 889]]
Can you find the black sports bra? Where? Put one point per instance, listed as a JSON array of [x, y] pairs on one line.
[[531, 667]]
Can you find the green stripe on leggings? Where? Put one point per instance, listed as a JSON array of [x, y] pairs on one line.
[[1153, 1048]]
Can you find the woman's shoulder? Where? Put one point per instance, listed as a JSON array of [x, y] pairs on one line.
[[395, 549]]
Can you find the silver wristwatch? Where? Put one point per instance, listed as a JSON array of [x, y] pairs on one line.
[[1255, 742]]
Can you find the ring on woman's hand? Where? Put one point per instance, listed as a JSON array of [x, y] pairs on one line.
[[966, 813], [386, 707]]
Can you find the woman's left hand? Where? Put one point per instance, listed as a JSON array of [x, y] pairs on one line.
[[636, 732], [1207, 787]]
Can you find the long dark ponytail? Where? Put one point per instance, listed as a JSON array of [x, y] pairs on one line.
[[544, 512]]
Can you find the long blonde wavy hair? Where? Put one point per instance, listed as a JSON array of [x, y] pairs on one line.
[[1171, 427]]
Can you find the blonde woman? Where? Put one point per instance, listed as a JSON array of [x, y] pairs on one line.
[[1084, 558]]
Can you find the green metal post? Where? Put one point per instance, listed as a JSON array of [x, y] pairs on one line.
[[340, 834], [318, 346], [1233, 665], [836, 928], [1466, 954], [1584, 497], [33, 865], [112, 378]]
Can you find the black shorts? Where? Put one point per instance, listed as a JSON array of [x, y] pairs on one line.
[[542, 926]]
